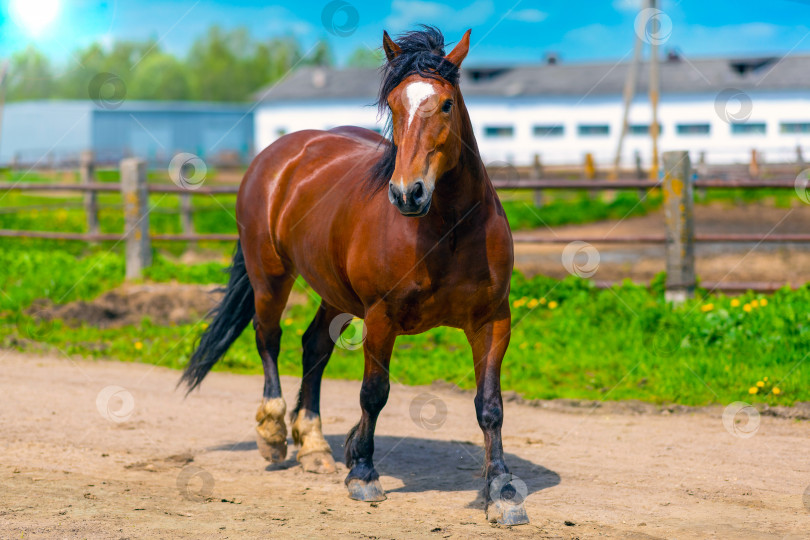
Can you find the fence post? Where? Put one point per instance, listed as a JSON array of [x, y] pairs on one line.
[[136, 216], [87, 176], [538, 173], [679, 217], [753, 166], [185, 213]]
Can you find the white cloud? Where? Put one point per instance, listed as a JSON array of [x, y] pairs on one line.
[[406, 14], [627, 6], [528, 15]]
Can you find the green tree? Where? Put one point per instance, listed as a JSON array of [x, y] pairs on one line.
[[30, 76], [160, 76], [363, 57], [320, 55]]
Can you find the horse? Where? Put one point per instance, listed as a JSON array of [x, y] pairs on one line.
[[406, 234]]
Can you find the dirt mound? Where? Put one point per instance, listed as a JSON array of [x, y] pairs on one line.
[[162, 303]]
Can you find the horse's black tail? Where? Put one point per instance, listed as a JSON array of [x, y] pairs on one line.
[[230, 318]]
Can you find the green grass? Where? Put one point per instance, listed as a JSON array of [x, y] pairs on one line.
[[569, 339]]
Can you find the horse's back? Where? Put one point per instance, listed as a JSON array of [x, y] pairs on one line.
[[300, 193]]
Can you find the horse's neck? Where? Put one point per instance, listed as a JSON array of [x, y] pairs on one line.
[[466, 186]]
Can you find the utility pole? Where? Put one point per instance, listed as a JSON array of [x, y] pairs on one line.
[[629, 91], [655, 80], [654, 93]]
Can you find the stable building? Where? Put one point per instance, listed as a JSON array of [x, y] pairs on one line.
[[720, 108]]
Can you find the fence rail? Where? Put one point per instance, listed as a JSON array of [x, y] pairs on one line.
[[677, 185]]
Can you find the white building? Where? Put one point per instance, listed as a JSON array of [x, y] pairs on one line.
[[723, 107]]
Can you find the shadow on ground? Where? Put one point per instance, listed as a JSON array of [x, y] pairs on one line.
[[426, 464]]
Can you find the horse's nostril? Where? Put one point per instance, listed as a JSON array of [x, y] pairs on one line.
[[418, 192]]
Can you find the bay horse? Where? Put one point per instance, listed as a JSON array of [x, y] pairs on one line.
[[406, 234]]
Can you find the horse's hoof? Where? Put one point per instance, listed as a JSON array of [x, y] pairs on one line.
[[505, 513], [273, 452], [365, 491], [318, 462]]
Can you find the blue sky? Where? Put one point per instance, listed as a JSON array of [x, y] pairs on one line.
[[503, 31]]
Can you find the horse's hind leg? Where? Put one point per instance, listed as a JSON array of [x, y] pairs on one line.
[[271, 429], [314, 453]]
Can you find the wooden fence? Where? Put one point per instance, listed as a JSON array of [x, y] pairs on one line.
[[678, 185]]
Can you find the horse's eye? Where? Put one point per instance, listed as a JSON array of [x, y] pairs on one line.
[[447, 105]]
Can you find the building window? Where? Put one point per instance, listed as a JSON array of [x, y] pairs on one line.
[[693, 129], [586, 130], [794, 127], [548, 131], [753, 128], [642, 129], [500, 132]]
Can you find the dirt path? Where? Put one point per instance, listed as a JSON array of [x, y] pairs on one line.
[[66, 470]]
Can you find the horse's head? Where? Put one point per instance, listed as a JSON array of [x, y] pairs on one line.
[[421, 91]]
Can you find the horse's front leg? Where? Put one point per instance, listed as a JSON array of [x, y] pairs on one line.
[[504, 503], [363, 481]]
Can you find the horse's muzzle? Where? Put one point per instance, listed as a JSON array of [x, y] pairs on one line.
[[413, 201]]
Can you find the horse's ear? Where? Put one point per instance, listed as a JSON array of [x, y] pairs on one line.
[[459, 52], [391, 49]]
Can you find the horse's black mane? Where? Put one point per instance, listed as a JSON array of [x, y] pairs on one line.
[[422, 53]]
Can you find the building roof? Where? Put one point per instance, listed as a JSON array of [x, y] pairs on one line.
[[678, 75], [130, 106]]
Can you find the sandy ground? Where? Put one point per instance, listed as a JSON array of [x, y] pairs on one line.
[[714, 262], [111, 450]]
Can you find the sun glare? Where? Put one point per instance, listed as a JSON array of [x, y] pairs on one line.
[[34, 15]]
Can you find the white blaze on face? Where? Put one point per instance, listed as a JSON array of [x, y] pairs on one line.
[[417, 93]]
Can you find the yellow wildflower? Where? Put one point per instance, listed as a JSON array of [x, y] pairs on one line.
[[735, 303], [760, 384], [519, 303], [523, 345], [707, 308], [552, 305], [763, 302], [532, 303], [299, 332], [747, 308], [138, 345], [754, 303], [765, 379], [288, 321], [543, 301], [776, 391], [753, 390], [205, 326]]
